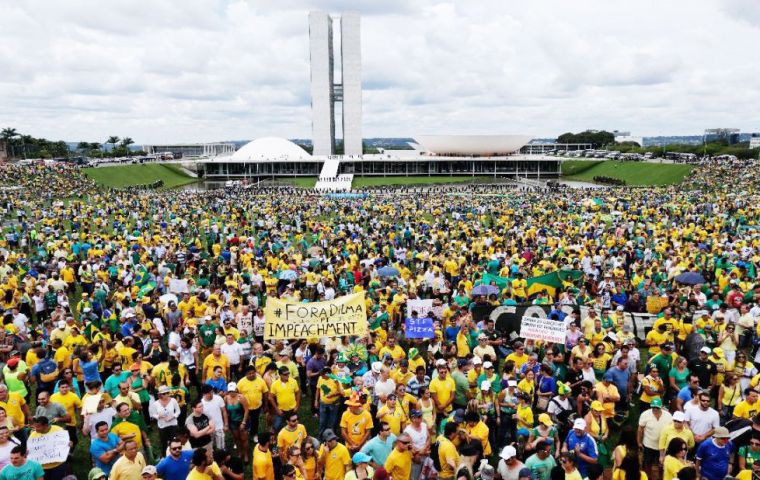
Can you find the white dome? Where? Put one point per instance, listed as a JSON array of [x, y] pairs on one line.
[[270, 148]]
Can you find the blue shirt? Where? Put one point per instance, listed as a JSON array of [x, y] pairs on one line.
[[588, 448], [713, 460], [171, 469], [219, 385], [685, 394], [620, 379], [90, 371], [379, 450], [99, 446]]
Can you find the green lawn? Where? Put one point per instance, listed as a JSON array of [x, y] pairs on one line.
[[129, 175], [359, 182], [634, 173]]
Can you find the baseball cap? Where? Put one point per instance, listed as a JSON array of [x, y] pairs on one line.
[[328, 435], [545, 419], [579, 424], [508, 452], [149, 469], [95, 474], [525, 473], [232, 387], [678, 416], [360, 457], [597, 406], [487, 365], [485, 385], [706, 350], [440, 363], [476, 360], [656, 403], [459, 415], [164, 389]]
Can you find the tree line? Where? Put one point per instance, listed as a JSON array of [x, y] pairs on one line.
[[22, 146]]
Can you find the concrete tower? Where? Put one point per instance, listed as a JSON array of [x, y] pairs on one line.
[[325, 93]]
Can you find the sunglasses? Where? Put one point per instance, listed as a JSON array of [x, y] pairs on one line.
[[176, 449], [405, 443]]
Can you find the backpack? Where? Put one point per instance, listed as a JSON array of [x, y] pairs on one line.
[[434, 455], [48, 371]]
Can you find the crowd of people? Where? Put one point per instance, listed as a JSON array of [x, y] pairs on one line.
[[134, 322]]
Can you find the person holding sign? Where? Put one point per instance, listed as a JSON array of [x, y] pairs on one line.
[[55, 467]]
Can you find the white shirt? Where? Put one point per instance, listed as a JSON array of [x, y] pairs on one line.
[[174, 339], [419, 439], [701, 421], [213, 410], [165, 415], [509, 473], [187, 356], [233, 352]]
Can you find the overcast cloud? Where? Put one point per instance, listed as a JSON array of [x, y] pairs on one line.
[[205, 70]]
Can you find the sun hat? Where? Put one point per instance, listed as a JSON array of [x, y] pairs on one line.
[[376, 367], [721, 432]]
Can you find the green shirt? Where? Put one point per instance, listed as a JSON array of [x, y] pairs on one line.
[[462, 387], [207, 334]]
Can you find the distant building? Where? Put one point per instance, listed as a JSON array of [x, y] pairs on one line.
[[729, 135], [754, 140], [191, 149], [626, 137]]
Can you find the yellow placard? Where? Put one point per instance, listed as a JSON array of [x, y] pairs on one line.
[[343, 316]]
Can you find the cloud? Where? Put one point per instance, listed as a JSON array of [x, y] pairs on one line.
[[221, 69]]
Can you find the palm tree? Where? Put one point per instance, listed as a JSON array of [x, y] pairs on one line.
[[8, 134], [126, 142], [95, 146], [113, 140], [83, 146]]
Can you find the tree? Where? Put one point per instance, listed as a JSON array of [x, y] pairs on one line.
[[8, 134], [83, 146], [113, 140], [126, 142], [597, 139], [95, 146]]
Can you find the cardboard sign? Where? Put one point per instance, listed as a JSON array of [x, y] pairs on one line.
[[543, 329], [419, 327], [422, 307], [49, 448], [296, 320]]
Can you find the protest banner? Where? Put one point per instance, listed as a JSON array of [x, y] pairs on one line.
[[49, 448], [508, 318], [178, 285], [422, 307], [543, 329], [296, 320], [419, 327]]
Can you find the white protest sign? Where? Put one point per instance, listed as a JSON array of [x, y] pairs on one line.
[[422, 307], [49, 448], [178, 286], [542, 329]]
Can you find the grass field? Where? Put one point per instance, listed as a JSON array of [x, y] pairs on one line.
[[129, 175], [634, 173], [359, 182]]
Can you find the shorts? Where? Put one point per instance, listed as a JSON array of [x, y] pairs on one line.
[[651, 456]]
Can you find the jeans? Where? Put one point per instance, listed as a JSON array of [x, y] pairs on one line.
[[328, 417]]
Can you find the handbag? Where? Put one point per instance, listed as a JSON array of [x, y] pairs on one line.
[[542, 403]]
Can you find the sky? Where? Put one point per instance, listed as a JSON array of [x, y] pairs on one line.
[[170, 71]]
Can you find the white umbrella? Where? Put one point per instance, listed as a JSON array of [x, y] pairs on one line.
[[168, 297]]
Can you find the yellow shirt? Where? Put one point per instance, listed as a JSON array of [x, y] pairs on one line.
[[399, 464], [126, 469], [210, 363], [286, 437], [63, 356], [71, 403], [196, 475], [13, 407], [669, 433], [671, 466], [356, 425], [446, 451], [263, 468], [744, 475], [253, 391], [745, 410], [337, 462], [329, 390], [480, 431], [519, 360], [395, 419], [443, 390], [396, 352], [285, 394], [123, 429]]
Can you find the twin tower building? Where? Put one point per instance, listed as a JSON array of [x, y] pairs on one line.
[[326, 92]]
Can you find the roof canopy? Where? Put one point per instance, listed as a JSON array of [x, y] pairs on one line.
[[266, 148], [482, 145]]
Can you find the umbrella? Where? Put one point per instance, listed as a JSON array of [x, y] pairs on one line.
[[484, 290], [168, 297], [288, 275], [690, 278], [388, 272]]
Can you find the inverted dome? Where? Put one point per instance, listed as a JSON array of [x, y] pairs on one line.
[[268, 148]]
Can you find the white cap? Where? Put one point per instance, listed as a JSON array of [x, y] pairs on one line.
[[485, 385], [678, 416], [511, 383], [579, 424], [508, 452], [377, 366], [441, 363], [620, 308], [476, 360], [487, 365], [232, 387], [706, 350], [61, 324], [613, 336]]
